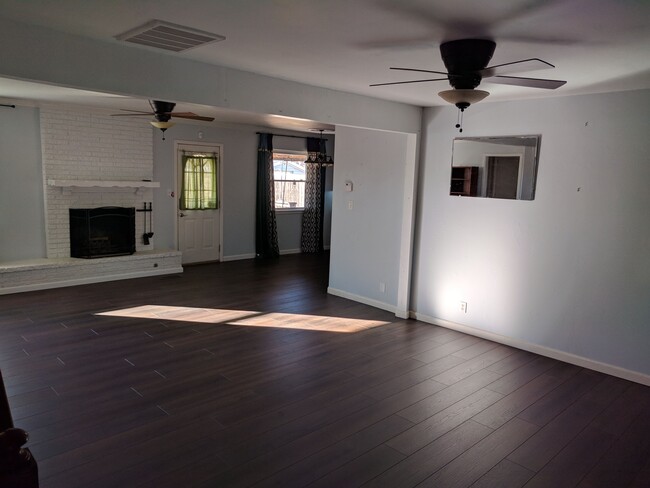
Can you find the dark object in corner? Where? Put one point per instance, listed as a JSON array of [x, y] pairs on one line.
[[18, 468]]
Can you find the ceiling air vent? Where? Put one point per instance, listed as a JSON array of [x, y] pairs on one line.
[[168, 36]]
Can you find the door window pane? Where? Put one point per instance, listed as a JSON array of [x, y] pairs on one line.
[[199, 182]]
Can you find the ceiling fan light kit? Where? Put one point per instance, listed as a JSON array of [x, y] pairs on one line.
[[163, 126], [467, 61], [463, 98]]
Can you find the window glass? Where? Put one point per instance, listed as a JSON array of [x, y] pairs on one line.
[[289, 180], [199, 182]]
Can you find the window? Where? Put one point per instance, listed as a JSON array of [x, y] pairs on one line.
[[289, 180], [199, 182]]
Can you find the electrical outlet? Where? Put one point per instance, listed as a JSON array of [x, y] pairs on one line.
[[463, 307], [382, 287], [350, 204]]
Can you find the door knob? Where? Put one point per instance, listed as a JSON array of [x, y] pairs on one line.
[[181, 214]]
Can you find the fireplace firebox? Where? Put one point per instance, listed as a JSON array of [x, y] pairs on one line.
[[102, 232]]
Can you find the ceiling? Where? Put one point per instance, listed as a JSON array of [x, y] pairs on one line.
[[596, 45]]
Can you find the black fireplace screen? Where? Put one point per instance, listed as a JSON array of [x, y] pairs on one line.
[[101, 232]]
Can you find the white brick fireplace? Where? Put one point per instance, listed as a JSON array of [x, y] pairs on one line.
[[91, 160], [87, 147]]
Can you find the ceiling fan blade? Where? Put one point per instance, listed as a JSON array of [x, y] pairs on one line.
[[515, 67], [135, 111], [529, 82], [405, 82], [190, 115], [423, 71], [143, 114]]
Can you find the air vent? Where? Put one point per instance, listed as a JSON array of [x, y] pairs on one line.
[[168, 36]]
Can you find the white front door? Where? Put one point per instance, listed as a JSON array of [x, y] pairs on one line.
[[198, 230]]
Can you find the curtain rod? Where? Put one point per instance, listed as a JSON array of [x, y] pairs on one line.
[[316, 136], [283, 135]]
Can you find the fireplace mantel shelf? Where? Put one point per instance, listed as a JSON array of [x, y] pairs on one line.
[[103, 184]]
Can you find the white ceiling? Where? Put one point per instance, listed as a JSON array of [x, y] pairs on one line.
[[596, 45]]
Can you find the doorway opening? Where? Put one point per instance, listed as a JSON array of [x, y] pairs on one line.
[[198, 210], [503, 177]]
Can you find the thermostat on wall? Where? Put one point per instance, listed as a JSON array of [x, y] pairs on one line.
[[348, 186]]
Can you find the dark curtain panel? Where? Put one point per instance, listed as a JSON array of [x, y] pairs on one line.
[[266, 232], [311, 239], [323, 177]]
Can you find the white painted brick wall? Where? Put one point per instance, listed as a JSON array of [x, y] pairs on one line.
[[82, 145]]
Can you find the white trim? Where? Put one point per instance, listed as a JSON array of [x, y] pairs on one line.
[[408, 226], [297, 152], [238, 257], [290, 251], [103, 183], [90, 280], [541, 350], [289, 210], [358, 298]]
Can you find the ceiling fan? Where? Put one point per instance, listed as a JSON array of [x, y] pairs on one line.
[[163, 112], [467, 61]]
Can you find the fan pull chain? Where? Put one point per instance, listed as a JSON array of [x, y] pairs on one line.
[[459, 120]]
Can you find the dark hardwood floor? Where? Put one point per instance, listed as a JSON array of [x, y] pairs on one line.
[[249, 374]]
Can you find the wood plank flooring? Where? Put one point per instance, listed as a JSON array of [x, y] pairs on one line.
[[248, 374]]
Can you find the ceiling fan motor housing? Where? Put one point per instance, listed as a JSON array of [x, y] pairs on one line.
[[465, 58], [163, 110]]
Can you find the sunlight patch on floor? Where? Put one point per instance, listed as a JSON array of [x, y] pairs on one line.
[[183, 314], [308, 322], [246, 318]]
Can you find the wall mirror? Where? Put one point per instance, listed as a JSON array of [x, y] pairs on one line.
[[495, 167]]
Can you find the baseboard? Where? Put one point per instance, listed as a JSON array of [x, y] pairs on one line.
[[402, 314], [238, 257], [90, 280], [537, 349], [358, 298]]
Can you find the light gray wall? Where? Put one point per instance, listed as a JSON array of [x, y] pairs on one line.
[[366, 239], [22, 216], [289, 230], [39, 54], [290, 223], [239, 174], [237, 197], [22, 225], [569, 270]]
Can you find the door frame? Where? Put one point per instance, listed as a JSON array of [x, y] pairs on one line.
[[177, 162], [520, 172]]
